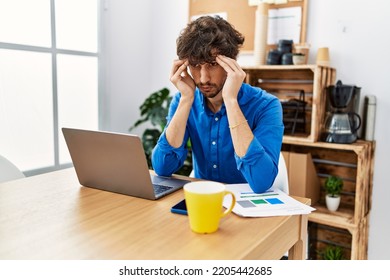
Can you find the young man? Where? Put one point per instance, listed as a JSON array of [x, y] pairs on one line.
[[235, 129]]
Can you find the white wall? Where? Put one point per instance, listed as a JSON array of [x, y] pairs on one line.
[[139, 46], [126, 48]]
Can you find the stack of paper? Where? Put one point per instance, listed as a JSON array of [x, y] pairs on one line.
[[271, 203]]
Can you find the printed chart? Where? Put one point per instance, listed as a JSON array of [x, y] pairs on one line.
[[271, 203]]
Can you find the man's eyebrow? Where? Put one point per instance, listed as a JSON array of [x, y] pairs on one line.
[[204, 62]]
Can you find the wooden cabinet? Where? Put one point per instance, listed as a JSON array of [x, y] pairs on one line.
[[294, 86], [348, 226]]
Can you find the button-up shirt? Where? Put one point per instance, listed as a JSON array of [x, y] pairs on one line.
[[212, 147]]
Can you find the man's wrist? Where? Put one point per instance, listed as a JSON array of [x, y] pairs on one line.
[[229, 102]]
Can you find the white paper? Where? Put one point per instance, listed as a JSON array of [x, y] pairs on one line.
[[271, 203]]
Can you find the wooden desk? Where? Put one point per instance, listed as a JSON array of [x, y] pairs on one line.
[[51, 216]]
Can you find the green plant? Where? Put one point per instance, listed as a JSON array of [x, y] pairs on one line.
[[333, 185], [332, 253], [154, 110]]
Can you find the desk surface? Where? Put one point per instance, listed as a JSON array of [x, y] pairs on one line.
[[51, 216]]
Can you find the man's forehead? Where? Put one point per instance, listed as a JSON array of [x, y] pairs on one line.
[[202, 59]]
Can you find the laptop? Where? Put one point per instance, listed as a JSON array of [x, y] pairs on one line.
[[116, 163]]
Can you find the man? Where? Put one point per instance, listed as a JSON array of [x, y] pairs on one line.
[[235, 129]]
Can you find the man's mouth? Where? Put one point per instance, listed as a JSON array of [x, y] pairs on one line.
[[206, 88]]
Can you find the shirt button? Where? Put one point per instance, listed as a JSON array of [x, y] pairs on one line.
[[213, 143], [215, 166], [216, 119]]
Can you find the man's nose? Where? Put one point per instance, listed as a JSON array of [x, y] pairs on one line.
[[204, 74]]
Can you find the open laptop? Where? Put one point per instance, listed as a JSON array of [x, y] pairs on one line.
[[115, 162]]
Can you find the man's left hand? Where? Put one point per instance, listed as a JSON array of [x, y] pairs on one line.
[[235, 77]]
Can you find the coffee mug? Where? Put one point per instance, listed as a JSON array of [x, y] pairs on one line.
[[204, 205]]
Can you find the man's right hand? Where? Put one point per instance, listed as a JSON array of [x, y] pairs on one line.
[[181, 79]]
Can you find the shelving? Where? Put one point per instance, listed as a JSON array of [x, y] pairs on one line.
[[348, 226], [353, 163], [288, 83]]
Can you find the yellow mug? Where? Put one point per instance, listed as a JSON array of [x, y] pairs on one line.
[[204, 205]]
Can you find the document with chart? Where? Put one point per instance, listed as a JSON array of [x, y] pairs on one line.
[[271, 203]]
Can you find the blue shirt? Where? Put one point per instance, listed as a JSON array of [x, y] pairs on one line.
[[212, 148]]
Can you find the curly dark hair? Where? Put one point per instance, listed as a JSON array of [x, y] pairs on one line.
[[206, 37]]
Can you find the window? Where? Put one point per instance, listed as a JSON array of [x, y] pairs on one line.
[[48, 78]]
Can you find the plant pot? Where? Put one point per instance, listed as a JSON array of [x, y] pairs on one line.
[[332, 202], [298, 59]]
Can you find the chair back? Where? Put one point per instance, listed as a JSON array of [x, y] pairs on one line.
[[8, 171], [281, 180]]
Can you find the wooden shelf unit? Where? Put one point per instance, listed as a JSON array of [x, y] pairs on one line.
[[353, 163], [288, 81], [348, 226]]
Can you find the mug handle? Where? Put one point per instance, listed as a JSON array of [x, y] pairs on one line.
[[227, 211]]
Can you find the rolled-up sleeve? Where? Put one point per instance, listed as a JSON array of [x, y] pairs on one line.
[[166, 159], [259, 165]]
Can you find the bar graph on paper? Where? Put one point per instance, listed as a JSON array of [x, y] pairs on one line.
[[270, 203]]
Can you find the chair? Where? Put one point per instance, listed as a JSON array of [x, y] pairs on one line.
[[8, 171], [281, 180]]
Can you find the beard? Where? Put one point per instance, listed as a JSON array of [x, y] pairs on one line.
[[209, 90]]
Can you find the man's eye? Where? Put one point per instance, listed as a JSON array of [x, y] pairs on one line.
[[207, 65]]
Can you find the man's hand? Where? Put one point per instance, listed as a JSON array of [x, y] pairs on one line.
[[235, 77], [181, 79]]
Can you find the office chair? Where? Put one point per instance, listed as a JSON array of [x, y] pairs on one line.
[[8, 171]]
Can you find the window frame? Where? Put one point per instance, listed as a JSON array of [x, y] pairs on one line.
[[54, 51]]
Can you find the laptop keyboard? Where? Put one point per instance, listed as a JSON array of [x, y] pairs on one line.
[[158, 189]]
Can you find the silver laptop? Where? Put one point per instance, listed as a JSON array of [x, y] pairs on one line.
[[115, 162]]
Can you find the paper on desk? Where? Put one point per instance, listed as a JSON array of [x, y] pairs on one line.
[[271, 203]]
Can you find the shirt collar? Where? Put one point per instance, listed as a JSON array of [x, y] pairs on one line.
[[222, 111]]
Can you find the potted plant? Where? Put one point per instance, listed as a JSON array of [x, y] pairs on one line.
[[333, 187], [299, 58], [332, 253], [155, 110]]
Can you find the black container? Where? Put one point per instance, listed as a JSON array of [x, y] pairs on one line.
[[285, 46], [274, 57], [287, 59]]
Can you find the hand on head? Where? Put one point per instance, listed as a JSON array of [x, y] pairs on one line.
[[181, 79], [234, 76]]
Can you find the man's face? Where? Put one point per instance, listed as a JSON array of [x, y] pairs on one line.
[[209, 78]]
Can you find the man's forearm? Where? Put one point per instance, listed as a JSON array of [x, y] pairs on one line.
[[240, 131], [177, 126]]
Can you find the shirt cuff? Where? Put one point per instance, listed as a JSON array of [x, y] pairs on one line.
[[254, 152]]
